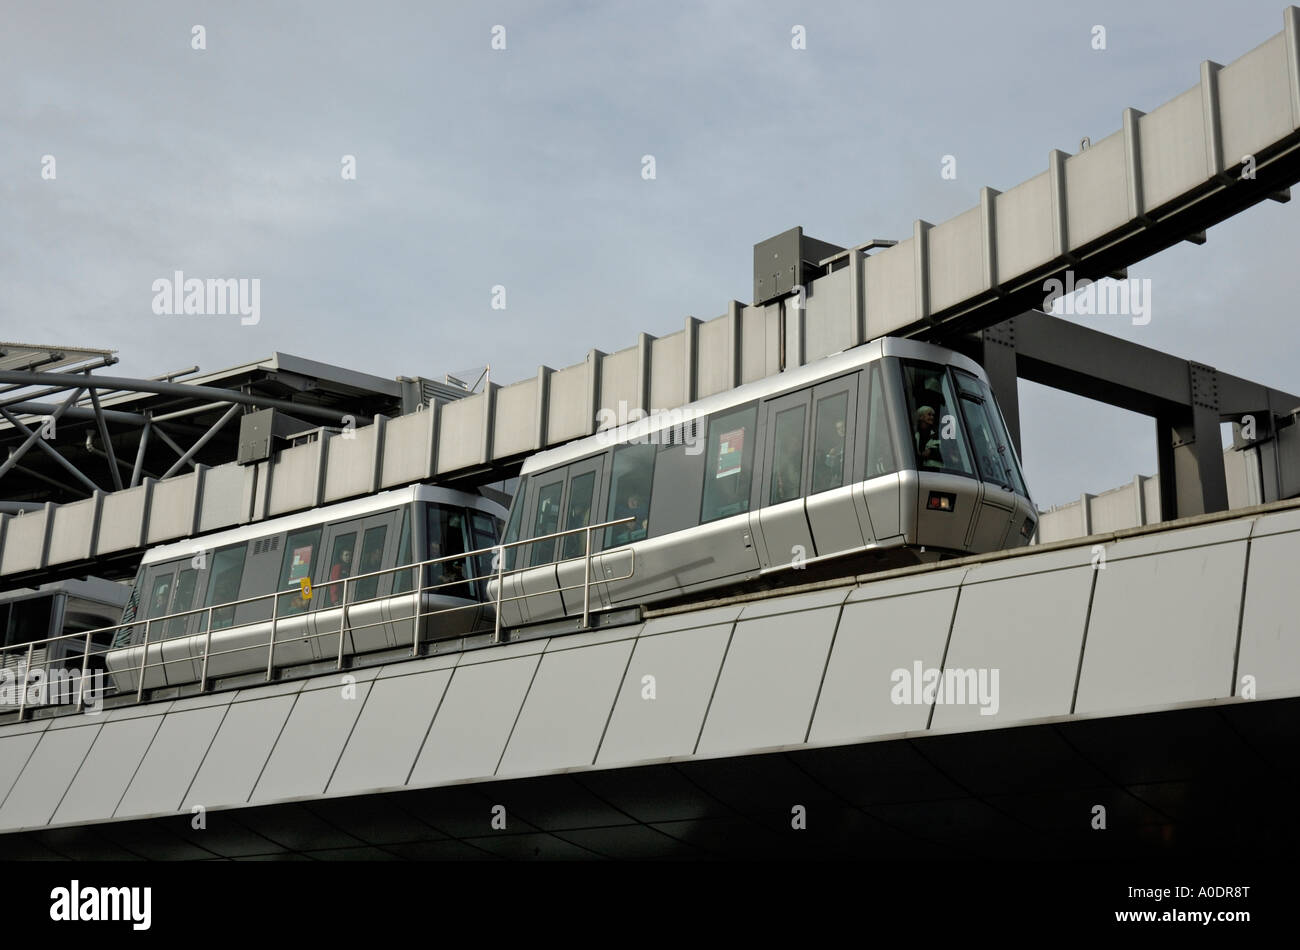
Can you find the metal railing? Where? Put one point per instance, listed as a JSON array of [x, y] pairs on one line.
[[457, 579]]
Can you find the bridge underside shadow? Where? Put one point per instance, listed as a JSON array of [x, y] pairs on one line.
[[1196, 782]]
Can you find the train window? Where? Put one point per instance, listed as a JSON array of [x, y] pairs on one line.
[[160, 595], [512, 529], [828, 446], [729, 465], [372, 559], [340, 567], [223, 585], [880, 448], [937, 436], [183, 599], [577, 513], [547, 521], [992, 446], [403, 580], [787, 458], [297, 564], [629, 493], [485, 530], [124, 635], [447, 538]]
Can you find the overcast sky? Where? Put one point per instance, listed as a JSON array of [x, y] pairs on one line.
[[522, 168]]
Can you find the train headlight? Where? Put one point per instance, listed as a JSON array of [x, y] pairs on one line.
[[941, 501], [1027, 529]]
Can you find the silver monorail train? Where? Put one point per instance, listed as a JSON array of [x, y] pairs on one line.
[[305, 557], [893, 452]]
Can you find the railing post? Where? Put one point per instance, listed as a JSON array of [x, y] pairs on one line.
[[270, 647], [343, 623], [144, 659], [586, 583], [27, 668], [501, 563], [207, 646], [419, 601], [81, 683]]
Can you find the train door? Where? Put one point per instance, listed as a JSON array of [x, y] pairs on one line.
[[781, 525], [348, 549], [833, 468], [582, 485], [534, 580]]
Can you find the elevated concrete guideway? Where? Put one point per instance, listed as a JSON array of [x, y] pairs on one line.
[[1124, 666], [1161, 178]]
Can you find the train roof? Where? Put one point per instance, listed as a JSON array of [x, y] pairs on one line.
[[795, 378], [343, 510]]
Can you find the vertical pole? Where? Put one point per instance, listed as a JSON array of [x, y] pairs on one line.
[[415, 625], [144, 659], [270, 647], [586, 582], [501, 563], [343, 621], [207, 647], [22, 699], [81, 683]]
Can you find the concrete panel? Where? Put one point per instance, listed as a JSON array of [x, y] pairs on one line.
[[1151, 499], [173, 758], [46, 777], [1096, 196], [389, 732], [474, 721], [1173, 148], [460, 433], [171, 508], [238, 753], [121, 519], [1114, 510], [1034, 648], [810, 600], [769, 682], [515, 427], [1277, 523], [691, 619], [714, 356], [1270, 640], [310, 743], [1196, 536], [756, 356], [890, 289], [1163, 629], [685, 668], [957, 259], [23, 542], [350, 463], [567, 709], [874, 639], [873, 589], [294, 477], [1254, 103], [74, 524], [1023, 222], [113, 759], [620, 379], [14, 753], [407, 449], [828, 316], [668, 371], [567, 413], [226, 496]]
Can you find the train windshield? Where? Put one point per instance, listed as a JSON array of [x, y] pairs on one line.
[[992, 445], [976, 444], [937, 436]]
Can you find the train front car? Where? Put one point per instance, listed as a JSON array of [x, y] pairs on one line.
[[963, 492], [888, 454]]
